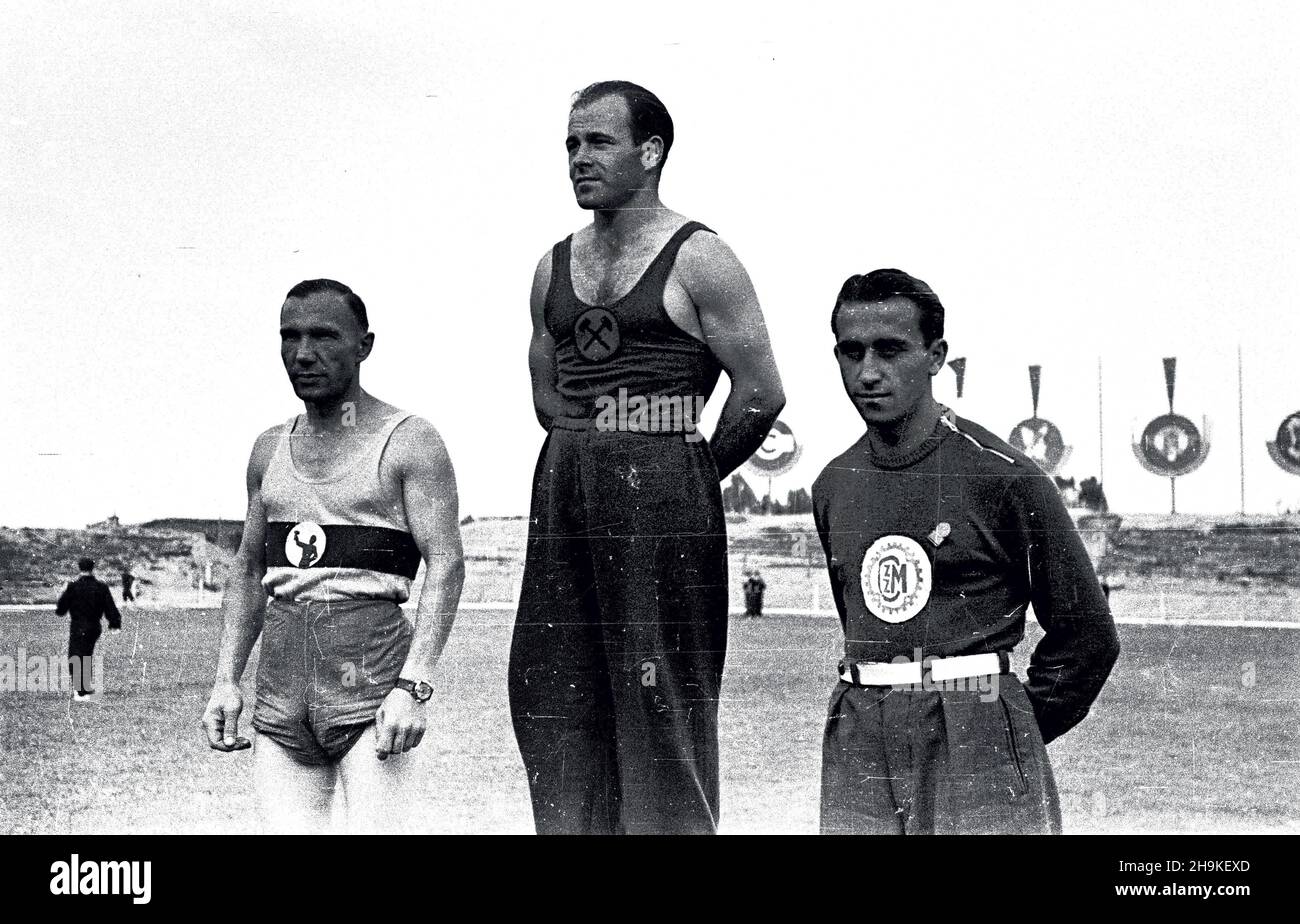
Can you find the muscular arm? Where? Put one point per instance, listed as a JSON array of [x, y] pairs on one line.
[[243, 606], [733, 327], [432, 510], [547, 402], [1080, 645], [430, 503]]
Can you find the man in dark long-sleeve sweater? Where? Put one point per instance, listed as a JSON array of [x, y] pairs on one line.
[[938, 537], [88, 600]]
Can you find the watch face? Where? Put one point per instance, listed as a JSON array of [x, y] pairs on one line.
[[422, 691]]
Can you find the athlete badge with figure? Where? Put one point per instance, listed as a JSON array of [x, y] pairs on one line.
[[305, 545]]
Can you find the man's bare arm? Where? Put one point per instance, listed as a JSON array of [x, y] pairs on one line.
[[547, 402], [431, 504], [432, 514], [243, 606], [734, 330]]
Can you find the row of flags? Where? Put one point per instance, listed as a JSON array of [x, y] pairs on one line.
[[1170, 445]]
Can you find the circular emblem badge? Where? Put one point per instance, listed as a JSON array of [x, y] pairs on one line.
[[1171, 445], [779, 452], [1041, 441], [305, 544], [896, 578], [595, 334], [1288, 438]]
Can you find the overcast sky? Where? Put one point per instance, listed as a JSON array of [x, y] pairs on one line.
[[1112, 182]]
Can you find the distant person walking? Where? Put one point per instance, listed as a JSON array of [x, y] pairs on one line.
[[88, 599], [128, 581], [754, 588]]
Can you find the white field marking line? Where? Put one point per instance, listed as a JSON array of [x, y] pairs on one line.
[[1120, 620], [508, 605]]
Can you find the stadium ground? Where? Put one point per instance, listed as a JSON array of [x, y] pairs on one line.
[[1197, 731]]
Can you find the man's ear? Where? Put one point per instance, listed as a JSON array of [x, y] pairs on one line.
[[652, 152], [938, 355], [367, 344]]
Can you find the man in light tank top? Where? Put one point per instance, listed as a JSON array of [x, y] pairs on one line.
[[616, 660], [344, 501]]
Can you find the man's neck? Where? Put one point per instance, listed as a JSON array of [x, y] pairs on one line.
[[612, 227], [345, 413], [903, 436]]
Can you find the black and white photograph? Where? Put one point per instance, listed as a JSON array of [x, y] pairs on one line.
[[689, 418]]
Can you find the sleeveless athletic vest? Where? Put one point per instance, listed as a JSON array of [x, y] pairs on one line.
[[630, 343], [341, 538]]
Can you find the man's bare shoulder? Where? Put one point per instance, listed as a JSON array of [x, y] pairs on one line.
[[264, 449], [705, 252], [708, 268], [417, 444]]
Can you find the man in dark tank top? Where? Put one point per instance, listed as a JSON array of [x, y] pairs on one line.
[[616, 661]]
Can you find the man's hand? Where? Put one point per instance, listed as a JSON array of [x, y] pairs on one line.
[[399, 724], [221, 718]]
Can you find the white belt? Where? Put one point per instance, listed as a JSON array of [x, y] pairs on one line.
[[900, 673]]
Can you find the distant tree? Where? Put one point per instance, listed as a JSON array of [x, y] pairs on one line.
[[739, 497], [799, 501]]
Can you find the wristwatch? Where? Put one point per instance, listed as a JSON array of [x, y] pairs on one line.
[[417, 688]]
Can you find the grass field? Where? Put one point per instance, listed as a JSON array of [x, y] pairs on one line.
[[1198, 730]]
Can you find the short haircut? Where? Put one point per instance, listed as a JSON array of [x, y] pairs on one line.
[[883, 284], [318, 286], [648, 116], [86, 564]]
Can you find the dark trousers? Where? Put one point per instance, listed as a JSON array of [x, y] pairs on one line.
[[617, 655], [898, 761], [82, 637]]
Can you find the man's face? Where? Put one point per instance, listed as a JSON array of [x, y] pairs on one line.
[[605, 167], [322, 346], [884, 362]]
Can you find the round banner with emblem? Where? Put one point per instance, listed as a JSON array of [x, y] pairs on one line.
[[896, 578], [1285, 450], [305, 544], [1171, 445], [779, 452], [596, 336], [1041, 441]]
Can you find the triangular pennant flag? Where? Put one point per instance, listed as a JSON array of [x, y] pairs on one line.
[[959, 369]]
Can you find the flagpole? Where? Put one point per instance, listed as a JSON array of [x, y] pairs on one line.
[[1241, 429], [1101, 433]]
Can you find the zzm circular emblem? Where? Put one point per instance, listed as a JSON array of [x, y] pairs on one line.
[[896, 578], [305, 544], [595, 334]]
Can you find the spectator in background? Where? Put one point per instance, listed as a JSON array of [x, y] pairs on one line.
[[128, 580], [754, 588], [88, 600]]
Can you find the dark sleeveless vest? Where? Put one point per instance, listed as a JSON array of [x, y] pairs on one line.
[[630, 343]]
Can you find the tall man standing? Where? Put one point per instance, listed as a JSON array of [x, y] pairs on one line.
[[343, 503], [938, 536], [616, 661], [87, 600]]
